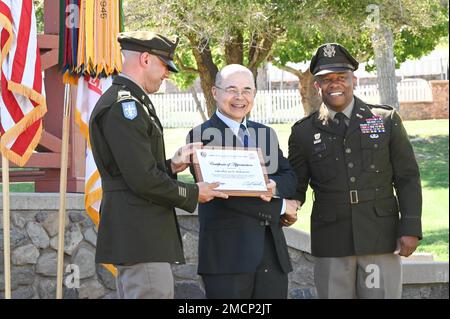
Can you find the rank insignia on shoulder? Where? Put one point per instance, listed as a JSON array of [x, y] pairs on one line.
[[129, 110]]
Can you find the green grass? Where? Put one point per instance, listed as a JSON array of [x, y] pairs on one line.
[[430, 142], [174, 138], [20, 187]]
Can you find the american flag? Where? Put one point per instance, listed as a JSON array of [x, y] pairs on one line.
[[22, 100]]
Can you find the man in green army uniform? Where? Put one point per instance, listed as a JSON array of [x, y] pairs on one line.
[[138, 230], [354, 155]]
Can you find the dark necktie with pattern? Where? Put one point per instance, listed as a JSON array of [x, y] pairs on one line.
[[339, 120], [243, 135]]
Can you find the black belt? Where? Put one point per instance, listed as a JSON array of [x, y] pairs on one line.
[[354, 196], [111, 185]]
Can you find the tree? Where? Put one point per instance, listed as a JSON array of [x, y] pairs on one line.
[[365, 28], [383, 45], [217, 33], [419, 20], [250, 32], [39, 8]]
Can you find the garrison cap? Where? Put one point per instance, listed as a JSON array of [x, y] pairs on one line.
[[153, 43], [331, 58]]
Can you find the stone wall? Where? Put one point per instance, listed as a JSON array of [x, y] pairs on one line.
[[437, 109], [34, 227], [34, 242]]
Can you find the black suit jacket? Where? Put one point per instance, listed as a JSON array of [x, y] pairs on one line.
[[232, 230]]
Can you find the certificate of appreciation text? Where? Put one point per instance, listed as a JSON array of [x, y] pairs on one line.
[[239, 170]]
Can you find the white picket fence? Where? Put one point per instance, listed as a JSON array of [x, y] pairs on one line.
[[276, 106], [411, 90]]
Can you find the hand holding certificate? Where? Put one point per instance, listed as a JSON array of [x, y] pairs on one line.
[[240, 171]]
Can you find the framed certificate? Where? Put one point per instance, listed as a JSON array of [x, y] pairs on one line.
[[240, 171]]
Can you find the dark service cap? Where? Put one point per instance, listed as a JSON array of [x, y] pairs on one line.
[[153, 43], [331, 58]]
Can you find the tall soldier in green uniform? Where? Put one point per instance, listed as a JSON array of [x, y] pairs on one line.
[[354, 155], [138, 229]]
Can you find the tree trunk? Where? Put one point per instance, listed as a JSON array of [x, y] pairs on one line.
[[207, 70], [259, 50], [197, 102], [311, 99], [234, 49], [383, 46]]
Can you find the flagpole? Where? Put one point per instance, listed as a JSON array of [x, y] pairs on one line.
[[62, 190], [6, 227]]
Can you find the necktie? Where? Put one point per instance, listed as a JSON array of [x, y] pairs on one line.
[[243, 135], [339, 119]]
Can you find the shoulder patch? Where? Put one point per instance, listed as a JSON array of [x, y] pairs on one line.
[[129, 110]]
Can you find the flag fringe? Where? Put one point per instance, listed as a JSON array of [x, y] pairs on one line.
[[91, 181], [29, 119], [111, 268], [89, 199], [14, 157], [69, 78], [84, 128], [27, 92]]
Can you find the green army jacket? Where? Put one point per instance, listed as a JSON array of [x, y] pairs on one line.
[[366, 184], [137, 216]]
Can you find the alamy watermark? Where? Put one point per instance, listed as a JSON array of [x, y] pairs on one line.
[[373, 277], [73, 19], [73, 278], [373, 19]]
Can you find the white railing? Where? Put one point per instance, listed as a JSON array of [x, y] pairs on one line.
[[282, 106], [425, 66], [410, 90]]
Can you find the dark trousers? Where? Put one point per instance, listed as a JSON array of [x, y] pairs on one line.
[[268, 282]]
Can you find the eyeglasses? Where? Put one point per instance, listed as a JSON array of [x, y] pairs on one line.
[[247, 93]]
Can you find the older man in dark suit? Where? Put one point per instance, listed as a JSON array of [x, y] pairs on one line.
[[242, 248]]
